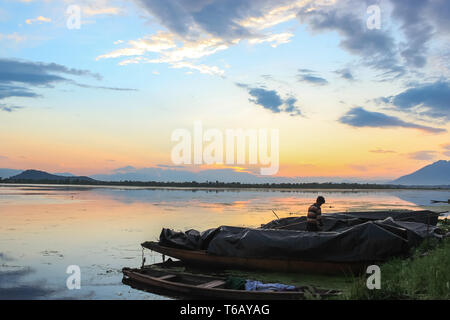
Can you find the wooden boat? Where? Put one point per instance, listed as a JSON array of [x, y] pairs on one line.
[[202, 258], [188, 285]]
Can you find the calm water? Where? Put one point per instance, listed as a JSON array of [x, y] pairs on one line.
[[44, 229]]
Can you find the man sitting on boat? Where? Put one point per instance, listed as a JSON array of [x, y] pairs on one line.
[[314, 217]]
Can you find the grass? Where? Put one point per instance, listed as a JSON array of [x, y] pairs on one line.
[[320, 281], [425, 275]]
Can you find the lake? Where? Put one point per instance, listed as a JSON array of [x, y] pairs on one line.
[[44, 229]]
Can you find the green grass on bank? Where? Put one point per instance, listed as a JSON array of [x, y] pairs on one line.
[[425, 275]]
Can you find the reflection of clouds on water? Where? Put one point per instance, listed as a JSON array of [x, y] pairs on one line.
[[226, 197], [5, 257], [423, 197], [176, 197], [12, 285], [15, 284]]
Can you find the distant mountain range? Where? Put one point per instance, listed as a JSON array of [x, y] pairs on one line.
[[36, 175], [435, 174]]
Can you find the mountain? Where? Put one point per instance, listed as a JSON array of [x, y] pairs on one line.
[[166, 173], [435, 174], [6, 173], [35, 175], [65, 174]]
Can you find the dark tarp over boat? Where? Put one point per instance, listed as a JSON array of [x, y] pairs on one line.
[[338, 221], [353, 241]]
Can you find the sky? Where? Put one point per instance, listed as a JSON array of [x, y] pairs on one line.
[[357, 89]]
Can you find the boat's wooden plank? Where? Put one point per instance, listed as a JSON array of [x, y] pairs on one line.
[[166, 277], [211, 284], [202, 258]]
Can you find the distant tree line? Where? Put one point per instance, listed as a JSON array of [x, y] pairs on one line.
[[218, 184]]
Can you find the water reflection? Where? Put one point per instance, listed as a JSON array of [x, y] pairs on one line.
[[44, 229]]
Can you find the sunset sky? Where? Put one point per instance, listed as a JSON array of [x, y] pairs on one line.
[[349, 99]]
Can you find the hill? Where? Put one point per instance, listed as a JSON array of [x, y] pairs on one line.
[[36, 175], [436, 174]]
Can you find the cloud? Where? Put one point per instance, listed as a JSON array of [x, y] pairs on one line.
[[102, 87], [275, 39], [39, 19], [359, 117], [419, 22], [422, 155], [417, 30], [201, 28], [291, 107], [211, 70], [8, 108], [37, 73], [191, 18], [430, 99], [375, 46], [98, 7], [94, 11], [446, 148], [15, 37], [358, 167], [155, 43], [15, 91], [271, 100], [345, 74], [382, 151], [307, 75], [16, 76], [172, 50], [125, 169]]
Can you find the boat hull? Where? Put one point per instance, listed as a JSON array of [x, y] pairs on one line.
[[202, 258], [193, 286]]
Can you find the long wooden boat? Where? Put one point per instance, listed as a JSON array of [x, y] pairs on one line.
[[202, 258], [187, 285]]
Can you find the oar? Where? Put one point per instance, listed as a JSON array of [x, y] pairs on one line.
[[275, 214]]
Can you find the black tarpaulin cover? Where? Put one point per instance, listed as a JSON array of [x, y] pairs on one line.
[[367, 241], [338, 221]]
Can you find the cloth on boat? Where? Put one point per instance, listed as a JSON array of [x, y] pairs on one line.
[[235, 283], [253, 285], [368, 241]]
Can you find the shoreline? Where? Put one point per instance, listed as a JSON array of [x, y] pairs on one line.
[[340, 188]]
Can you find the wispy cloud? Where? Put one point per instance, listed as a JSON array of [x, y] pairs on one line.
[[9, 108], [382, 151], [345, 73], [271, 100], [422, 155], [39, 19], [310, 76], [429, 99], [14, 37], [19, 78], [359, 117], [275, 39]]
